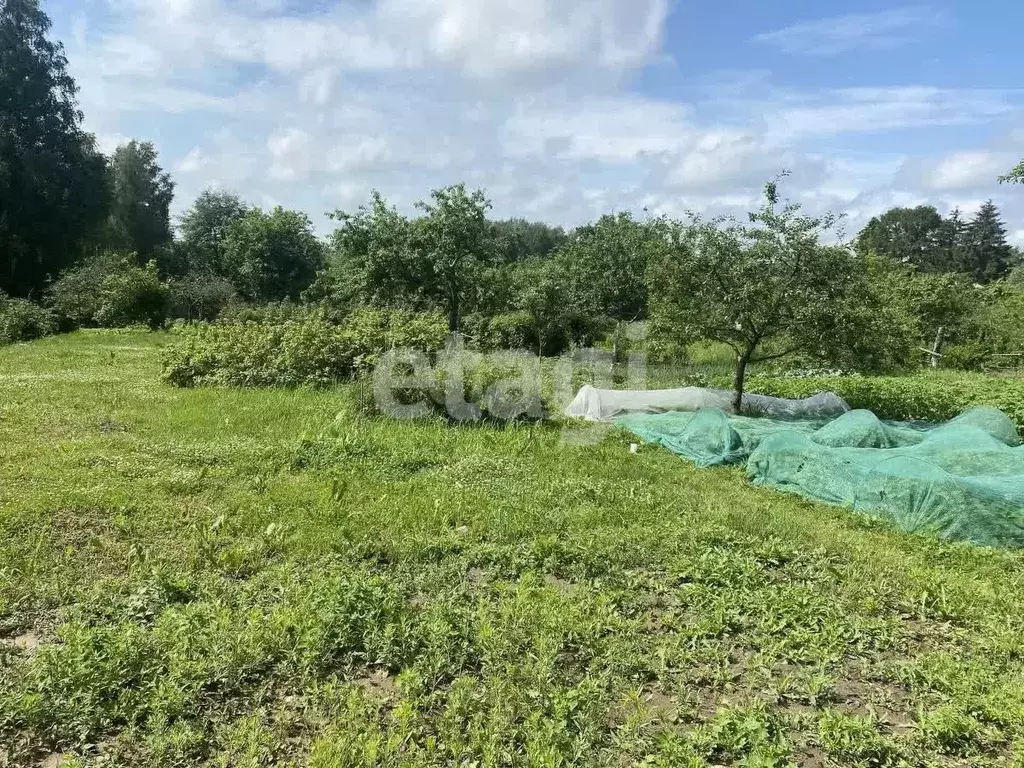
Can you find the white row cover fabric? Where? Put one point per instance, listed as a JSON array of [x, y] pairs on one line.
[[605, 404]]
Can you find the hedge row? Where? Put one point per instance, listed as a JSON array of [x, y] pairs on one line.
[[308, 352], [927, 396], [23, 320]]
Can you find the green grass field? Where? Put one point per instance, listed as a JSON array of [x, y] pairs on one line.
[[251, 578]]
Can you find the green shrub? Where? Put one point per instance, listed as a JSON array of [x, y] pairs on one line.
[[199, 296], [511, 330], [272, 313], [23, 320], [967, 356], [518, 330], [77, 295], [311, 351], [929, 396], [133, 296], [109, 290]]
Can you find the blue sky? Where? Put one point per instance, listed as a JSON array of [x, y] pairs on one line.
[[563, 109]]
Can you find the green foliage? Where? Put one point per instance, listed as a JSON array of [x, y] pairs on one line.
[[921, 238], [203, 228], [53, 185], [372, 261], [109, 290], [266, 577], [271, 256], [200, 296], [893, 314], [310, 351], [749, 733], [767, 290], [517, 240], [547, 319], [453, 239], [1016, 176], [856, 739], [988, 255], [140, 220], [23, 320], [907, 236], [76, 296], [272, 313], [510, 330], [603, 266], [997, 324], [444, 260], [970, 355], [133, 296], [932, 396]]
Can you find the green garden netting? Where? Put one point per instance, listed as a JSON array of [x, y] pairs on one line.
[[962, 480]]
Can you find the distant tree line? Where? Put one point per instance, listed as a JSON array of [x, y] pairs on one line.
[[91, 239], [922, 238]]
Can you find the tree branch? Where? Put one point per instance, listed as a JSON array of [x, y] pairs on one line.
[[765, 358]]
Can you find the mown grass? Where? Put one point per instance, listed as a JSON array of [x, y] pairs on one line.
[[249, 578]]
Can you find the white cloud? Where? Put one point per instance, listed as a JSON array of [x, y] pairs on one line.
[[291, 155], [193, 162], [489, 38], [856, 32], [315, 110], [876, 110], [965, 170]]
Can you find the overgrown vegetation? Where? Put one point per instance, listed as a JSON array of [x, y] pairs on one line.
[[256, 567], [309, 350], [255, 577], [931, 396], [22, 320]]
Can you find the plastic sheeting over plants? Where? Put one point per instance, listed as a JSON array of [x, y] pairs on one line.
[[604, 404], [961, 480]]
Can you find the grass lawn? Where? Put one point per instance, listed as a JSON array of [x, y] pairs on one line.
[[250, 578]]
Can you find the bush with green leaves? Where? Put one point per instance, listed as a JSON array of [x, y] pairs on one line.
[[271, 313], [23, 320], [109, 290], [311, 351], [133, 296], [519, 330], [200, 296], [76, 295], [510, 330], [995, 328], [928, 396]]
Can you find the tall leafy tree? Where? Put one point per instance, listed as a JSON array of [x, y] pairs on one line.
[[606, 264], [272, 256], [518, 240], [951, 243], [906, 235], [203, 227], [372, 260], [767, 289], [52, 179], [988, 255], [140, 219], [540, 290], [454, 237]]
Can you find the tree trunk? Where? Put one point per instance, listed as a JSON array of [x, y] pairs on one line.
[[937, 346], [741, 374], [454, 317], [617, 342]]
